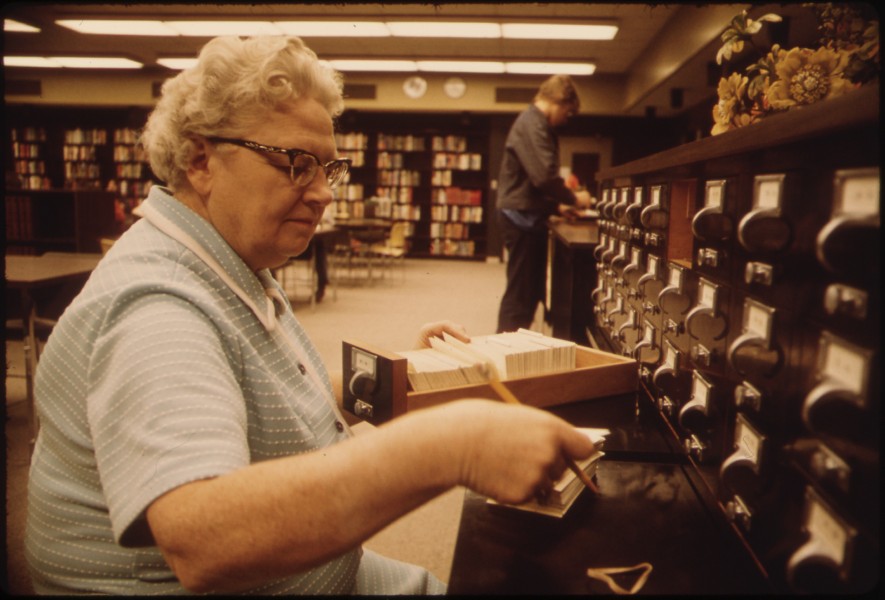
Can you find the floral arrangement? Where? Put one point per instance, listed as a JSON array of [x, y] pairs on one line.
[[846, 58]]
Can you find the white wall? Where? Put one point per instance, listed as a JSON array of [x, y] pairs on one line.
[[599, 95]]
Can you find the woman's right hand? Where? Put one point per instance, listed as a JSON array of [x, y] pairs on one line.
[[506, 452]]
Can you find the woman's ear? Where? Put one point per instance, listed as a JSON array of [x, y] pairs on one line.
[[198, 173]]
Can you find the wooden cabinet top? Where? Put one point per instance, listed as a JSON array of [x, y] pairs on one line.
[[855, 109]]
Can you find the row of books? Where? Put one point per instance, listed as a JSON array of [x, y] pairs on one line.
[[389, 160], [407, 143], [78, 152], [460, 214], [452, 231], [455, 143], [442, 247], [450, 362], [462, 162], [352, 141], [28, 134], [30, 167], [86, 136], [357, 157], [24, 150], [456, 195], [399, 178]]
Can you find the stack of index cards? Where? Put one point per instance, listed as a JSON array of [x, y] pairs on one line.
[[450, 362]]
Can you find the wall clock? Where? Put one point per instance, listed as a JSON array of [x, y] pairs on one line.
[[415, 87], [454, 87]]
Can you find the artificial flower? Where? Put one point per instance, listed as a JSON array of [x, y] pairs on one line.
[[846, 58], [807, 76], [730, 111], [742, 29]]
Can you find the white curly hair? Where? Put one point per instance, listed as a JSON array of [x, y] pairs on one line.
[[233, 86]]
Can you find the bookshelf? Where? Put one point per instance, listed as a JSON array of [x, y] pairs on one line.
[[350, 196], [28, 151], [427, 170], [456, 196], [81, 150], [131, 180], [432, 179]]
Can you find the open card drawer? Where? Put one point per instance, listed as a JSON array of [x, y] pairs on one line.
[[376, 387]]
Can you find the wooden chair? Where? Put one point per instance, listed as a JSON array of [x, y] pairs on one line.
[[393, 249]]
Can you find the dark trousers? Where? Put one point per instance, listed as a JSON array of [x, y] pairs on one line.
[[526, 274]]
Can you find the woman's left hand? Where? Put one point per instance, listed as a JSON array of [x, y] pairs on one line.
[[437, 329]]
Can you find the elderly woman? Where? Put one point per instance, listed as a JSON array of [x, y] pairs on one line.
[[190, 437]]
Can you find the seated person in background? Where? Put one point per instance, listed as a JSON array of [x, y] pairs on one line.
[[190, 436]]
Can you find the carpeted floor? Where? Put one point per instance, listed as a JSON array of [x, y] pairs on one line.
[[386, 313]]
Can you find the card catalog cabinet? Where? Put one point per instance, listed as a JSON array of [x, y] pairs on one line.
[[742, 272]]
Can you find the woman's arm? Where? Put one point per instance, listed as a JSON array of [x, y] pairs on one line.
[[283, 516]]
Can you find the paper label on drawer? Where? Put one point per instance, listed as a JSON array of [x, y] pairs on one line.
[[676, 277], [827, 530], [655, 195], [649, 334], [700, 389], [637, 196], [714, 195], [605, 194], [861, 195], [636, 255], [670, 355], [748, 442], [707, 295], [758, 321], [844, 365], [652, 264], [768, 194]]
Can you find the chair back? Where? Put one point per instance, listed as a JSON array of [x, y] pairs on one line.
[[397, 237]]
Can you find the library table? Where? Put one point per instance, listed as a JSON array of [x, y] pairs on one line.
[[29, 273], [651, 507]]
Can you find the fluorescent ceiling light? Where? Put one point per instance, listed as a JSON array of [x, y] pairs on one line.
[[558, 31], [95, 62], [13, 25], [439, 66], [28, 61], [71, 62], [543, 31], [112, 27], [374, 65], [334, 28], [460, 66], [177, 63], [538, 68], [437, 29], [214, 28]]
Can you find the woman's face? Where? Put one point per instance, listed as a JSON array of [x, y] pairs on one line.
[[254, 205]]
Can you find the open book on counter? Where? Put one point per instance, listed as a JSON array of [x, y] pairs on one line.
[[567, 489], [450, 362]]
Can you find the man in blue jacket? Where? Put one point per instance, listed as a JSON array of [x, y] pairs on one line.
[[530, 189]]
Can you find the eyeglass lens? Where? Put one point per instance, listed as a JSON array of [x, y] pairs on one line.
[[304, 168]]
